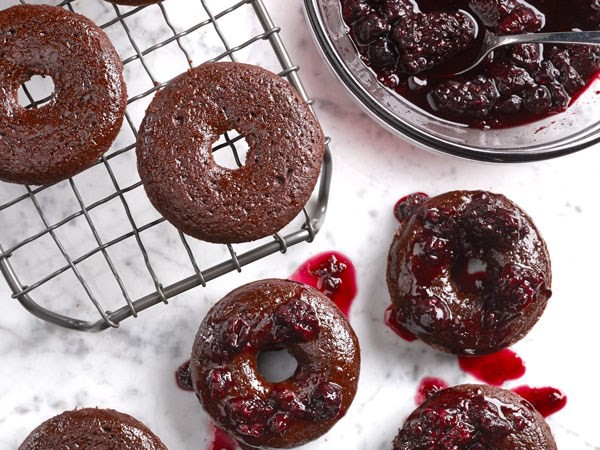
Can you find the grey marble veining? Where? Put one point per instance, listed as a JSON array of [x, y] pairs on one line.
[[45, 370]]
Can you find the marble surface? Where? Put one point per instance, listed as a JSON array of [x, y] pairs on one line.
[[45, 370]]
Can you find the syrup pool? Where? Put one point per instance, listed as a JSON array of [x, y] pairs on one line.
[[427, 387], [547, 400], [494, 369], [333, 274], [222, 441]]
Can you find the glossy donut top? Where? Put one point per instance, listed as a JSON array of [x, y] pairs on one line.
[[87, 429], [436, 298], [212, 202], [69, 134], [475, 417], [267, 315]]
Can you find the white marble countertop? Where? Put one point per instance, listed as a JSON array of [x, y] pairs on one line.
[[45, 370]]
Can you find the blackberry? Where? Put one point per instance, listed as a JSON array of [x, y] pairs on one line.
[[425, 40], [471, 99]]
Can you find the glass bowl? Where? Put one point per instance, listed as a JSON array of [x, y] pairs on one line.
[[557, 135]]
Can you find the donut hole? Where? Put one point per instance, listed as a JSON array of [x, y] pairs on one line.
[[276, 365], [470, 274], [230, 150], [36, 92]]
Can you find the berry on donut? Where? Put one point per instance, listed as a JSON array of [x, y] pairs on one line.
[[272, 315], [468, 272], [475, 417]]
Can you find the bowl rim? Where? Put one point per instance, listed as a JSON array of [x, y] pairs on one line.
[[412, 134]]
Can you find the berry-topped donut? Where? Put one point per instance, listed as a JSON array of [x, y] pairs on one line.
[[92, 429], [468, 272], [476, 417], [84, 116], [268, 315], [212, 202]]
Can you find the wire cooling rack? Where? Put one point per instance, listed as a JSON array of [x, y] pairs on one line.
[[99, 246]]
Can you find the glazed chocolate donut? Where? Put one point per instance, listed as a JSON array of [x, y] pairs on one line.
[[435, 296], [268, 315], [68, 135], [218, 204], [134, 2], [475, 417], [91, 428]]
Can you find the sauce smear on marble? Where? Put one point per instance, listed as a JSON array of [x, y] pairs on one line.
[[222, 441], [183, 376], [547, 400], [494, 369], [333, 274], [427, 387], [391, 320]]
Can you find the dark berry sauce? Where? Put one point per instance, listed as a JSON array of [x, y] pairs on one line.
[[547, 400], [183, 377], [412, 44], [391, 320], [494, 369], [333, 274], [428, 387]]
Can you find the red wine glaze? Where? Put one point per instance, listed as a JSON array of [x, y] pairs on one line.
[[547, 400], [333, 274]]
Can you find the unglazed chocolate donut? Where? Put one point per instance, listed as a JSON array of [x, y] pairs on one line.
[[211, 202], [268, 315], [66, 136], [87, 429], [134, 2], [475, 417], [436, 298]]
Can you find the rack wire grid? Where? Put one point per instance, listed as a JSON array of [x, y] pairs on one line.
[[101, 219]]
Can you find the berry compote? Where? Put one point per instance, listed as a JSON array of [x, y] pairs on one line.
[[415, 45]]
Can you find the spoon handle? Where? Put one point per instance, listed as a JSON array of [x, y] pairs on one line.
[[565, 37]]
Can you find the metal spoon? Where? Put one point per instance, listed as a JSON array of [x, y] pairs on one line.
[[492, 42]]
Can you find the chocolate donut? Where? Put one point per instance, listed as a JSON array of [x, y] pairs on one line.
[[90, 428], [69, 134], [434, 294], [268, 315], [211, 202], [475, 417], [134, 2]]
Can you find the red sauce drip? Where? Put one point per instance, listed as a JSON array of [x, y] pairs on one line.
[[391, 321], [547, 400], [222, 441], [494, 369], [183, 377], [428, 387], [333, 274]]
